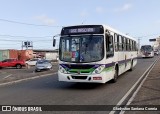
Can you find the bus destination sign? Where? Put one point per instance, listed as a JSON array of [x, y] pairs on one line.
[[86, 29], [82, 30]]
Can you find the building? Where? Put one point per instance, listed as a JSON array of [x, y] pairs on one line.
[[156, 44], [47, 54]]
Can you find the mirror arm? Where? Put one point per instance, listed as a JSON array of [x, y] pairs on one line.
[[54, 40]]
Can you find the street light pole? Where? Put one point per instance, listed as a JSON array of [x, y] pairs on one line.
[[139, 45]]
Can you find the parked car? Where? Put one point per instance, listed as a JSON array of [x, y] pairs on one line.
[[12, 63], [32, 62], [43, 65]]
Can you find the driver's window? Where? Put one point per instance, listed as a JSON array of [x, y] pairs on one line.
[[109, 46]]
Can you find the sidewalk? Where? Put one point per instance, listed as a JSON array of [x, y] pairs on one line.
[[149, 93]]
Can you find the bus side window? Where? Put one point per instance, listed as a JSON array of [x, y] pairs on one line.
[[120, 42], [116, 42], [127, 45], [109, 46], [123, 44]]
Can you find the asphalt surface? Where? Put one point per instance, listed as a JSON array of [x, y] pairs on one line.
[[13, 74], [48, 91]]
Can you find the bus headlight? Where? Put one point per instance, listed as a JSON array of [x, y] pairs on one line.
[[99, 69], [62, 70]]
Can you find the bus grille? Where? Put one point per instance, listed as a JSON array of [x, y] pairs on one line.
[[79, 66], [79, 72], [79, 77]]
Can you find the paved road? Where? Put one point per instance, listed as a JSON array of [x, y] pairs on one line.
[[149, 93], [13, 74], [48, 91]]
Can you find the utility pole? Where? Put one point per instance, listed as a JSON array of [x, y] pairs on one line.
[[83, 22], [139, 45]]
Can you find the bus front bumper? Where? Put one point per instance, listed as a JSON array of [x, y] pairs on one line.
[[90, 78]]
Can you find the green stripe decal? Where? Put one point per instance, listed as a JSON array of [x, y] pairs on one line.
[[108, 69], [92, 69], [81, 70]]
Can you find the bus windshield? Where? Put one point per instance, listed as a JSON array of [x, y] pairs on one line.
[[88, 48]]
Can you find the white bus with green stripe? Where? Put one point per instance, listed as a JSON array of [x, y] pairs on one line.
[[95, 54]]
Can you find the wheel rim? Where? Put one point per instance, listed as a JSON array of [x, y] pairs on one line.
[[18, 66]]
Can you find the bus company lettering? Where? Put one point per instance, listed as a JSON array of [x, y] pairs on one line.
[[19, 108], [34, 109], [14, 108]]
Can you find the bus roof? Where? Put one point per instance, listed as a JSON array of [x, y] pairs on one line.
[[118, 32], [106, 27]]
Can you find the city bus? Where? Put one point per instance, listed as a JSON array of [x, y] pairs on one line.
[[147, 51], [94, 54]]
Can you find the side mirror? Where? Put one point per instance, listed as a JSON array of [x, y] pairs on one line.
[[54, 42]]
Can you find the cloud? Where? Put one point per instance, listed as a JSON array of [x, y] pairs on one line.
[[99, 10], [45, 20], [125, 7], [157, 22]]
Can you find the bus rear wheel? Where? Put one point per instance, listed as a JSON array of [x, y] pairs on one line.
[[115, 75], [131, 68]]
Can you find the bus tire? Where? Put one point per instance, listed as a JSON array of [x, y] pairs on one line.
[[115, 75], [131, 66]]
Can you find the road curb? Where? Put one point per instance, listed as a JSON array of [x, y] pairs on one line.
[[129, 96], [25, 79]]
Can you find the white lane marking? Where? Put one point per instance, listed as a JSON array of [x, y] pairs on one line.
[[126, 95], [35, 77], [7, 76], [135, 93]]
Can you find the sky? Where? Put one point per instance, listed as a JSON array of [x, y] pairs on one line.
[[39, 20]]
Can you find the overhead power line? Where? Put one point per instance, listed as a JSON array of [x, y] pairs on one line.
[[26, 36], [11, 40], [47, 40], [30, 24], [6, 35], [6, 44], [149, 35], [50, 38]]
